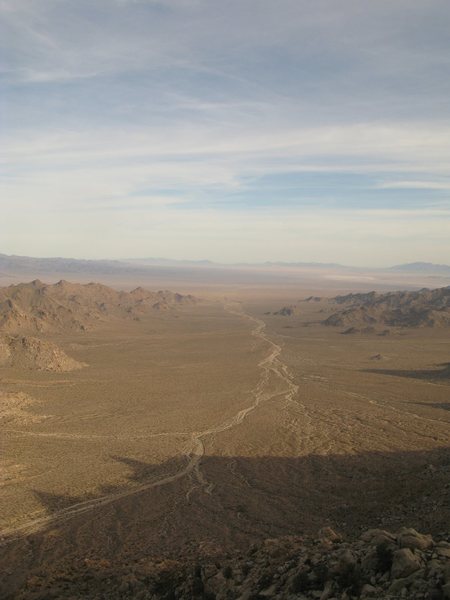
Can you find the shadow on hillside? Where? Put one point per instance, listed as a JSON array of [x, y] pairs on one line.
[[442, 373], [441, 405], [236, 500], [140, 473]]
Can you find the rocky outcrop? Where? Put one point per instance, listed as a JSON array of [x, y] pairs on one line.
[[64, 306], [378, 566], [424, 308], [287, 311], [31, 353]]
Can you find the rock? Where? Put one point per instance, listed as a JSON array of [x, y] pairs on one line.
[[377, 536], [289, 568], [410, 538], [447, 572], [434, 568], [443, 552], [405, 582], [269, 592], [404, 563], [299, 581], [346, 560], [326, 533], [368, 590], [327, 591], [246, 595], [370, 561]]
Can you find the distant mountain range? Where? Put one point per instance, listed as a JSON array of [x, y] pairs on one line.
[[12, 264], [422, 267], [28, 264], [415, 267], [158, 261]]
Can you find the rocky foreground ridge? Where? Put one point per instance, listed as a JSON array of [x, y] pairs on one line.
[[379, 565]]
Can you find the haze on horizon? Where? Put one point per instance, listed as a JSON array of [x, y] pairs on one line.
[[238, 131]]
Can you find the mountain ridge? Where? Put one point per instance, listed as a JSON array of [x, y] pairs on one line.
[[38, 307], [422, 308], [421, 267], [26, 264]]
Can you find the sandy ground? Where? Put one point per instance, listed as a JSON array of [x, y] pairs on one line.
[[217, 427]]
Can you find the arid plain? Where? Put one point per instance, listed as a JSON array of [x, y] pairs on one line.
[[204, 427]]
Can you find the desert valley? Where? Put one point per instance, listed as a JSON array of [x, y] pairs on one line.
[[151, 438], [224, 300]]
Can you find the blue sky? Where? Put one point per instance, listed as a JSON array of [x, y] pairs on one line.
[[245, 130]]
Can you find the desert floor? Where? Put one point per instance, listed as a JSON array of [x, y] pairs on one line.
[[206, 429]]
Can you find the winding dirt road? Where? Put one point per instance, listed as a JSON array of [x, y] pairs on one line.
[[287, 390]]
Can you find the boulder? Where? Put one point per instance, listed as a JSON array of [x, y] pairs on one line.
[[377, 536], [404, 563], [410, 538]]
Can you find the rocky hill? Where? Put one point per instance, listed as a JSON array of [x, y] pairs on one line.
[[37, 307], [423, 308], [287, 311], [379, 565], [26, 352], [34, 308]]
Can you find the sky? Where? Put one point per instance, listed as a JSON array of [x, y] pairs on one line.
[[237, 130]]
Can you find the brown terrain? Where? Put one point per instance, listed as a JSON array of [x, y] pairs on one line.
[[423, 308], [154, 445]]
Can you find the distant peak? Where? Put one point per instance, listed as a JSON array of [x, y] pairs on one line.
[[422, 267]]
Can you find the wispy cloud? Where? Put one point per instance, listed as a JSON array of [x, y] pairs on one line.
[[171, 107], [415, 185]]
